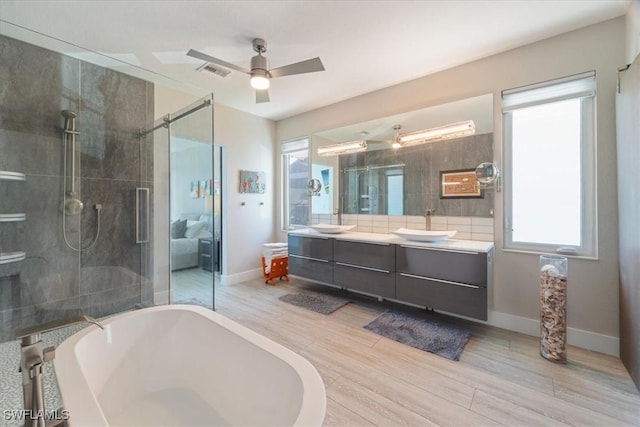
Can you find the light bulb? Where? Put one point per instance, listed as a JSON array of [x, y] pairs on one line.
[[259, 82]]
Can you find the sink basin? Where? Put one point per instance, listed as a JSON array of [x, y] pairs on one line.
[[423, 235], [331, 228]]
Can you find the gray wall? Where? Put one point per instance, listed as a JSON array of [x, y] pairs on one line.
[[54, 281]]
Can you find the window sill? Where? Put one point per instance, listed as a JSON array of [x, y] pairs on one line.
[[538, 253]]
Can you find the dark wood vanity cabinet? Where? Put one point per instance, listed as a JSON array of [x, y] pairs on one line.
[[311, 257], [443, 279], [365, 266]]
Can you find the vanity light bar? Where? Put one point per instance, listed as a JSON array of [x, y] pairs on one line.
[[453, 130], [343, 148]]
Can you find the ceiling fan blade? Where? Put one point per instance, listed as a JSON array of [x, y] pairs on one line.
[[262, 96], [203, 56], [308, 66]]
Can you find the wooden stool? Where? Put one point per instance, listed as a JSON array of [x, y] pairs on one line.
[[279, 268]]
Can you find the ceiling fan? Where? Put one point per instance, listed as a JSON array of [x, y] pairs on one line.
[[260, 72]]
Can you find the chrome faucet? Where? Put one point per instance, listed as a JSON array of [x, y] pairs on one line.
[[427, 218], [33, 357]]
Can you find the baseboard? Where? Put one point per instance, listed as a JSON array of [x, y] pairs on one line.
[[584, 339], [232, 279]]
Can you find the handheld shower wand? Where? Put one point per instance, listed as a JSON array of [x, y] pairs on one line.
[[72, 205]]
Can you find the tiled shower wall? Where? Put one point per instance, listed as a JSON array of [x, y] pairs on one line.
[[55, 282], [468, 228]]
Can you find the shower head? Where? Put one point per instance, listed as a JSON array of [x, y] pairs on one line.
[[69, 119]]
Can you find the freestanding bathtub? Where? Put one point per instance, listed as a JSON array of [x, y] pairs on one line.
[[184, 365]]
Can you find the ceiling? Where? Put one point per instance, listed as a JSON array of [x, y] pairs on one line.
[[364, 45]]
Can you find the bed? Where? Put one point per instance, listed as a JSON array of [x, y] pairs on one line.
[[185, 235]]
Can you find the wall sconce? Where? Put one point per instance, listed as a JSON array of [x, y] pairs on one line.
[[441, 133], [343, 148], [488, 176]]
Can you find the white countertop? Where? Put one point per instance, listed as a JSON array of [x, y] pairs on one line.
[[453, 244]]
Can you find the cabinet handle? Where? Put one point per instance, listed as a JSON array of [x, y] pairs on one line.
[[205, 242], [364, 242], [448, 282], [379, 270], [309, 258], [441, 250]]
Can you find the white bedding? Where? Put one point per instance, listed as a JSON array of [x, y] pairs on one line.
[[184, 252]]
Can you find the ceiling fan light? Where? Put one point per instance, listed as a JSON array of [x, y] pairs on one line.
[[259, 80]]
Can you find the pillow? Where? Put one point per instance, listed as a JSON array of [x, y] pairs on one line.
[[178, 229], [194, 229]]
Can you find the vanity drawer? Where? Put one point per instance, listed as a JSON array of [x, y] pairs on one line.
[[311, 268], [466, 300], [453, 265], [365, 279], [312, 247], [375, 255]]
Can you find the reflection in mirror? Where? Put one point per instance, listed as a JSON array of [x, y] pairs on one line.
[[406, 181]]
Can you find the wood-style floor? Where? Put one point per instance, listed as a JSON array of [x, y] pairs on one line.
[[500, 379]]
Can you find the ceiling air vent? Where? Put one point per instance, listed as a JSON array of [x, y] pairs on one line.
[[213, 69]]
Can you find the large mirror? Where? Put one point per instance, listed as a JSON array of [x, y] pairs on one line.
[[406, 181]]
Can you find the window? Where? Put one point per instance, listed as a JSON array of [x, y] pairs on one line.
[[295, 175], [549, 180]]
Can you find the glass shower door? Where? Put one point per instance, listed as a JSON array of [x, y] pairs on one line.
[[187, 206], [194, 206]]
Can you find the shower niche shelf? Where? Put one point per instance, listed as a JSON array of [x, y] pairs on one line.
[[11, 176], [9, 257], [17, 217]]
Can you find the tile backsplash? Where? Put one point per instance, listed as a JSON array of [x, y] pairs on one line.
[[468, 228]]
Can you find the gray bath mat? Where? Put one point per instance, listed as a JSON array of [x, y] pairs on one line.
[[424, 331], [320, 303]]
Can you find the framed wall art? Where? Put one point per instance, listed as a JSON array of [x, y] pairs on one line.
[[253, 182], [460, 184]]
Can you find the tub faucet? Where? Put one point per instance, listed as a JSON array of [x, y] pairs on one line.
[[33, 357]]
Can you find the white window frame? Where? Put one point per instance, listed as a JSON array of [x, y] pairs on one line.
[[580, 86], [286, 148]]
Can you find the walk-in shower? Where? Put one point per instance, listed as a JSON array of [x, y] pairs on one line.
[[72, 205]]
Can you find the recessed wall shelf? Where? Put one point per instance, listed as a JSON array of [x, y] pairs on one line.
[[12, 176], [9, 257], [12, 217]]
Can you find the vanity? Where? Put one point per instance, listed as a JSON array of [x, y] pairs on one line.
[[449, 275]]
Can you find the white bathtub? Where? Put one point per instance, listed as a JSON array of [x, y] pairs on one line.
[[183, 365]]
